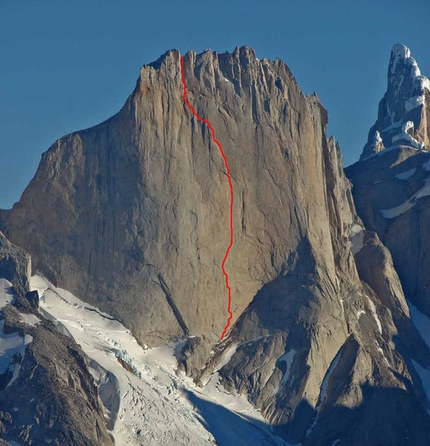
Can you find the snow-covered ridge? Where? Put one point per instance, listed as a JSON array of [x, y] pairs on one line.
[[146, 401]]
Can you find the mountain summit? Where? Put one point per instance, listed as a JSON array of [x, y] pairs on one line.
[[392, 189], [404, 110], [135, 211], [132, 215]]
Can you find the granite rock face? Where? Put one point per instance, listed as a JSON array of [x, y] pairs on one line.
[[318, 356], [134, 211], [132, 215]]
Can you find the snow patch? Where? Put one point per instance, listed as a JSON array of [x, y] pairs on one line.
[[377, 138], [426, 166], [405, 175], [405, 136], [359, 313], [382, 152], [228, 355], [375, 314], [421, 322], [399, 52], [408, 204], [12, 350], [356, 242], [30, 319], [324, 386], [393, 126], [288, 358], [424, 375], [232, 350], [414, 102], [356, 229], [383, 354]]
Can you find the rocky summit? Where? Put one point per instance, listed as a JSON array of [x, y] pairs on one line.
[[403, 111], [392, 189], [132, 216]]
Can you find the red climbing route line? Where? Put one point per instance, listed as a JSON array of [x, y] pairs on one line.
[[230, 183]]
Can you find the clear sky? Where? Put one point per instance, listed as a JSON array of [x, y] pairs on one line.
[[68, 65]]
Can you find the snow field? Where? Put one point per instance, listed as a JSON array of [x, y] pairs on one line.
[[146, 401]]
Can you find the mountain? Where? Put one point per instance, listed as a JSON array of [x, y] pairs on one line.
[[106, 390], [392, 186], [132, 216], [403, 112], [47, 395], [138, 199]]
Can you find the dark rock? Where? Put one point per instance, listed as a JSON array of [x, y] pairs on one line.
[[33, 299], [54, 398], [193, 356], [15, 265]]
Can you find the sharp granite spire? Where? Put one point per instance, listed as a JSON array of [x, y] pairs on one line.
[[402, 114]]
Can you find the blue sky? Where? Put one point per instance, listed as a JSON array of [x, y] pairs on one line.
[[66, 66]]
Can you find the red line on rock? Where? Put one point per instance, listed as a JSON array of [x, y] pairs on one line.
[[230, 183]]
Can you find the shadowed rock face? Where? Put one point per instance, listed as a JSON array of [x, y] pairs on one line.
[[132, 215], [54, 397]]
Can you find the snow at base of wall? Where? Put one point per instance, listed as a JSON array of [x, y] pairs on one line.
[[155, 405]]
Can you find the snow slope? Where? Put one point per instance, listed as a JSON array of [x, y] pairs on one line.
[[146, 401]]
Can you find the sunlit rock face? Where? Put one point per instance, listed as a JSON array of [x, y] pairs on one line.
[[132, 215]]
